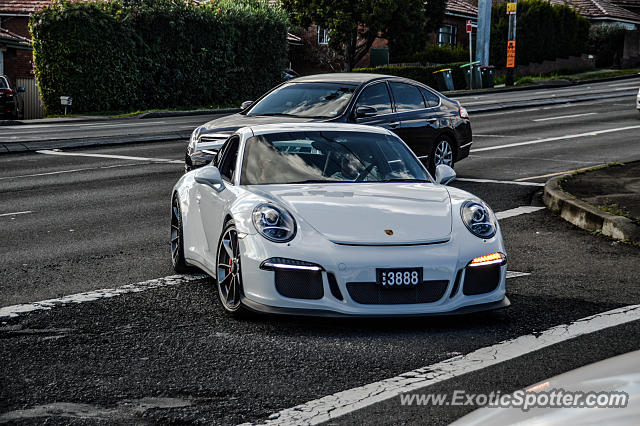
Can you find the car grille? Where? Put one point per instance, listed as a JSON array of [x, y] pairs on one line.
[[481, 279], [375, 294], [299, 284]]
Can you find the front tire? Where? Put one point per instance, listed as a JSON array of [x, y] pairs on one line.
[[442, 153], [229, 271]]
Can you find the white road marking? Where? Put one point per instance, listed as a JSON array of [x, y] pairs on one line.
[[565, 116], [561, 173], [624, 83], [93, 124], [517, 211], [557, 138], [15, 213], [508, 182], [627, 88], [67, 171], [493, 136], [118, 157], [90, 296], [172, 280], [348, 401]]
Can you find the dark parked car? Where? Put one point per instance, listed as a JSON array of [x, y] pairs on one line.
[[11, 105], [435, 127]]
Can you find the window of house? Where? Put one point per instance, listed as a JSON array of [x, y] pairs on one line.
[[323, 35], [448, 35]]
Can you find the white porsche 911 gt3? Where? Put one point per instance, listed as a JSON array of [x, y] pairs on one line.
[[335, 219]]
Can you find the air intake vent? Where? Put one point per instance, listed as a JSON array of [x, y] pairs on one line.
[[481, 279], [299, 284], [374, 294]]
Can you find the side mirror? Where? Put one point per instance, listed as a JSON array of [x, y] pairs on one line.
[[20, 89], [365, 111], [246, 104], [210, 176], [444, 174]]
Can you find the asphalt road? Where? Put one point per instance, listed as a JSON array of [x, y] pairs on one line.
[[75, 223]]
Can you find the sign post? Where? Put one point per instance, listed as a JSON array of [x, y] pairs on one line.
[[470, 32], [511, 41]]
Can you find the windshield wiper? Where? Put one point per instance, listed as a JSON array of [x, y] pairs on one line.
[[316, 181], [405, 180]]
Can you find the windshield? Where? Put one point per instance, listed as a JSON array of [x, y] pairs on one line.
[[310, 100], [319, 157]]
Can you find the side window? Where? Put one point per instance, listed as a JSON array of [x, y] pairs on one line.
[[408, 97], [431, 98], [376, 96], [228, 162]]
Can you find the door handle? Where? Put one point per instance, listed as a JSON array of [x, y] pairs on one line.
[[394, 124]]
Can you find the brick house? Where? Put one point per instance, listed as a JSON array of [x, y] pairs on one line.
[[453, 32], [16, 54]]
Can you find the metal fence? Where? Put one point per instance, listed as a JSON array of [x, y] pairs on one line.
[[32, 103]]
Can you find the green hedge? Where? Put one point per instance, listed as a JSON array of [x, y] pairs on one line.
[[130, 55], [423, 74], [440, 55], [543, 31], [607, 44]]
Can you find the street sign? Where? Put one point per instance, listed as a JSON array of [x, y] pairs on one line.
[[511, 54], [511, 8], [469, 26]]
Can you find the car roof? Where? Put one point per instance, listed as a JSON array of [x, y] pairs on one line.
[[340, 77], [316, 127]]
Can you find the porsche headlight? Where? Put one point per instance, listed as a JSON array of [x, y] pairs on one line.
[[479, 219], [274, 223]]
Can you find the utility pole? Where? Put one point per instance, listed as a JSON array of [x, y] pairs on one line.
[[483, 35], [511, 41]]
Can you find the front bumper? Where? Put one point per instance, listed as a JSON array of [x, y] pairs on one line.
[[443, 265]]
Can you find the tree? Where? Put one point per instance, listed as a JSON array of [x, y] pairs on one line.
[[354, 24]]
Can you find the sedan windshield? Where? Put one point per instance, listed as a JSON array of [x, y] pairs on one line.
[[322, 157], [309, 100]]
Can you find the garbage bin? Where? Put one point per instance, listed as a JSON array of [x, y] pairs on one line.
[[488, 73], [444, 79], [472, 72]]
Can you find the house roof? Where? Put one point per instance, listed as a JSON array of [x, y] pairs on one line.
[[462, 7], [599, 9], [10, 39], [23, 7]]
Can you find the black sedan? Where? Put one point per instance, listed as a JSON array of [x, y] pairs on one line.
[[435, 127], [10, 102]]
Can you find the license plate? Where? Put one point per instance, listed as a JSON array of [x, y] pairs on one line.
[[399, 277]]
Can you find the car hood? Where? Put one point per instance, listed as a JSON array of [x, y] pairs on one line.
[[233, 122], [366, 213]]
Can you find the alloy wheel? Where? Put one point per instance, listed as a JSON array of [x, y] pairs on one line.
[[443, 154], [229, 276]]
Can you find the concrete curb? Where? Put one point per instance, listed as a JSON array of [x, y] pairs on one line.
[[586, 216]]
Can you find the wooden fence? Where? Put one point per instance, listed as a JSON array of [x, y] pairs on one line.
[[32, 103]]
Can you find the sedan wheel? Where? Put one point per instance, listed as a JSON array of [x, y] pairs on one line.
[[177, 241], [229, 273], [442, 154]]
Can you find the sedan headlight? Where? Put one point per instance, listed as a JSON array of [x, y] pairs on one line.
[[479, 219], [193, 141], [274, 223]]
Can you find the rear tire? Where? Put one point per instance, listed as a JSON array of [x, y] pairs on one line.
[[177, 241], [442, 153]]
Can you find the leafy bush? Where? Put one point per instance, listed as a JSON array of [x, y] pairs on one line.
[[543, 31], [423, 74], [440, 55], [132, 55], [606, 43]]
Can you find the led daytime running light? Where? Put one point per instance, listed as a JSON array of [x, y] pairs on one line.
[[488, 259]]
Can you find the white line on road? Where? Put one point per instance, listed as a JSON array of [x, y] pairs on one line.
[[93, 124], [517, 211], [15, 213], [67, 171], [557, 138], [624, 83], [348, 401], [508, 182], [90, 296], [565, 116], [172, 280], [493, 136], [118, 157]]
